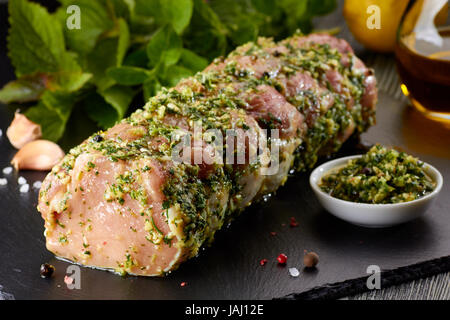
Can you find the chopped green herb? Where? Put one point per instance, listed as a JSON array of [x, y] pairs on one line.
[[380, 176]]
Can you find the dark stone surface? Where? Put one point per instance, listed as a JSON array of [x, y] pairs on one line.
[[230, 268]]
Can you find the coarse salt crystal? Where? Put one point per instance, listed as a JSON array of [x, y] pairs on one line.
[[1, 132], [21, 180], [7, 170], [37, 184], [3, 182], [24, 188], [294, 272]]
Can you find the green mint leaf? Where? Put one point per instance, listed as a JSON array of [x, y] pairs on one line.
[[30, 87], [192, 61], [52, 113], [78, 128], [100, 111], [123, 8], [151, 87], [108, 106], [206, 34], [103, 56], [94, 21], [294, 8], [69, 81], [26, 88], [321, 7], [129, 76], [123, 42], [240, 18], [204, 11], [243, 31], [174, 74], [36, 40], [137, 58], [267, 7], [297, 14], [119, 97], [177, 13], [164, 47], [147, 7], [108, 52]]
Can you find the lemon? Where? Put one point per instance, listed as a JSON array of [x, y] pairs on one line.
[[362, 15]]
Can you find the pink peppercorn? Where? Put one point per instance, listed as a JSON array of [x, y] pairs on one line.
[[282, 258], [293, 223]]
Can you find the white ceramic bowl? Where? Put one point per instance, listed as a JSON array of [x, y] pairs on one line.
[[372, 215]]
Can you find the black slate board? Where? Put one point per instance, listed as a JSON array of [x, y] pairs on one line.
[[230, 268]]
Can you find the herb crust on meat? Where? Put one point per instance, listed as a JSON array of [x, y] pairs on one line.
[[119, 201]]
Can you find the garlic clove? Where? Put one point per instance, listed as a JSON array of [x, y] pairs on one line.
[[22, 130], [38, 155]]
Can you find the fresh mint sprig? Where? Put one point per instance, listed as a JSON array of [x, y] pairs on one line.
[[126, 50]]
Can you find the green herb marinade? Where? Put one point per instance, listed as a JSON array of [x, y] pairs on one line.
[[380, 176]]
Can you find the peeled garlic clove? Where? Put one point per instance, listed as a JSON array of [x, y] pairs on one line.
[[38, 155], [21, 131]]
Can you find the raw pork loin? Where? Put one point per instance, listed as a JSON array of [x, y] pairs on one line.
[[121, 201]]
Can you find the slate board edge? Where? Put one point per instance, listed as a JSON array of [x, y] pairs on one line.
[[388, 278]]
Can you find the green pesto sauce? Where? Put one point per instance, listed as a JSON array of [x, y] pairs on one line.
[[380, 176]]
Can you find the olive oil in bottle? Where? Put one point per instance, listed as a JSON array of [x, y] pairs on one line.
[[424, 70]]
